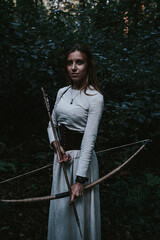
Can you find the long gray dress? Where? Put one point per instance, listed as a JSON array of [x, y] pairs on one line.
[[83, 116]]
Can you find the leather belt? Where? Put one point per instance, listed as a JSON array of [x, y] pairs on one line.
[[69, 139]]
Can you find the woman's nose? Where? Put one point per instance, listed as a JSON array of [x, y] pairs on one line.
[[74, 67]]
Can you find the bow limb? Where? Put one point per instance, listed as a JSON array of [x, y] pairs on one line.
[[66, 194], [116, 170]]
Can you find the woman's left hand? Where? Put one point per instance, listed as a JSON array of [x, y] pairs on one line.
[[77, 191]]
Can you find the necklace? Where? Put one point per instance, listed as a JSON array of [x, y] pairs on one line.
[[72, 98]]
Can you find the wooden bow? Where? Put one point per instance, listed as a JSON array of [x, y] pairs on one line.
[[66, 194]]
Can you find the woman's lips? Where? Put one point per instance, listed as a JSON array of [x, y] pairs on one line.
[[74, 74]]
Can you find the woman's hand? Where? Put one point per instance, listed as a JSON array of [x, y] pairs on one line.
[[65, 157], [77, 191]]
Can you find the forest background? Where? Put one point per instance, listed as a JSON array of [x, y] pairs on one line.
[[124, 37]]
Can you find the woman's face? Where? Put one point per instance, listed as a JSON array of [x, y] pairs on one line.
[[77, 67]]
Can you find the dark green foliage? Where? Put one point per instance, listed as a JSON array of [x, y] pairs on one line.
[[132, 210], [125, 40]]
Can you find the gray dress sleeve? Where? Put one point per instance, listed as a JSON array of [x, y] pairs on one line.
[[90, 133]]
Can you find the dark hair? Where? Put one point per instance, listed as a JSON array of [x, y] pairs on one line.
[[92, 77]]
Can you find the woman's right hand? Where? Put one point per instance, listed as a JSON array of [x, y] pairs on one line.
[[65, 157]]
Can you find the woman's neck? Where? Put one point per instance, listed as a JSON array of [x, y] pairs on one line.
[[77, 86]]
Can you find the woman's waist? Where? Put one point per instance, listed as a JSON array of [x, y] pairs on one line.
[[69, 139]]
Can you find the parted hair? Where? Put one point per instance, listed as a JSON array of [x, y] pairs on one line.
[[92, 77]]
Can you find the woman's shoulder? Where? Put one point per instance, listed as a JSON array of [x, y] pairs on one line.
[[94, 98], [63, 89], [92, 92]]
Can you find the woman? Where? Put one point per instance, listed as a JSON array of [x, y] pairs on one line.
[[77, 112]]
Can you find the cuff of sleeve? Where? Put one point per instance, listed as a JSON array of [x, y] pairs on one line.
[[51, 145], [50, 135], [82, 180]]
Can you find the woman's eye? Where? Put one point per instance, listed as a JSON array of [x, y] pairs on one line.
[[79, 62], [69, 63]]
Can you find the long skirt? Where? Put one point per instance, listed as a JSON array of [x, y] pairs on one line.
[[62, 223]]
